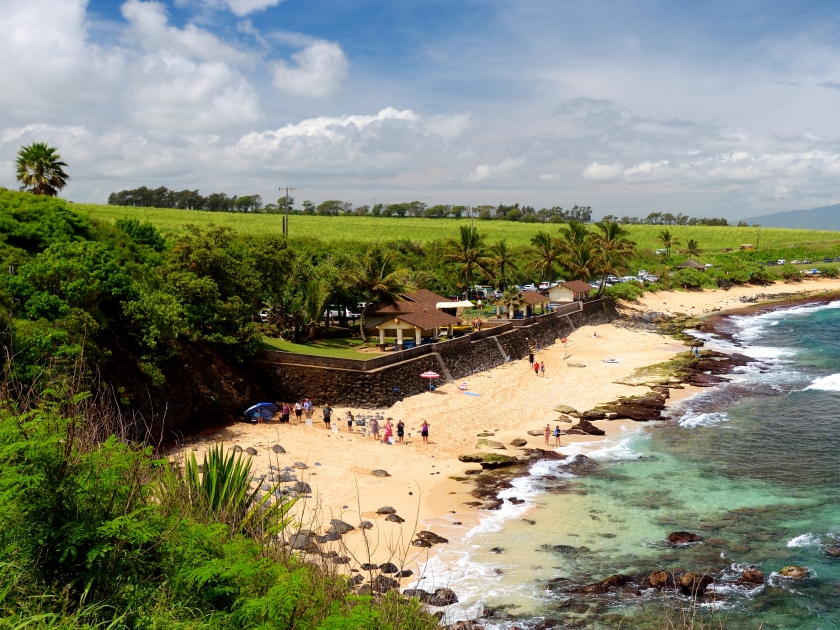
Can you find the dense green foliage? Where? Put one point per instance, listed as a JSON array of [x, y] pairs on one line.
[[96, 532], [40, 169]]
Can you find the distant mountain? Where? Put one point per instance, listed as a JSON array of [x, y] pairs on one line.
[[825, 218]]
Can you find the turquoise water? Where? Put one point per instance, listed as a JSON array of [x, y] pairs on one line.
[[752, 466]]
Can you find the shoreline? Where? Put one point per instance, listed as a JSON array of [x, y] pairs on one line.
[[419, 486]]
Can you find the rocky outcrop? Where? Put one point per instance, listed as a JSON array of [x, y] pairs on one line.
[[489, 461], [441, 596], [604, 586], [519, 442], [752, 576], [794, 572], [639, 408], [493, 444], [694, 584], [683, 538], [585, 427]]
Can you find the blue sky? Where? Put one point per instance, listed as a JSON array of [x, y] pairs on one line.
[[708, 108]]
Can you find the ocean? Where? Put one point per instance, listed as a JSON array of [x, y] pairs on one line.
[[752, 466]]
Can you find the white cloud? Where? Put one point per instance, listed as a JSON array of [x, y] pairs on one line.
[[603, 172], [549, 177], [320, 69], [484, 172], [244, 7]]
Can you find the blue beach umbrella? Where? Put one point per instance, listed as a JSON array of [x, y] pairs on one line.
[[265, 409]]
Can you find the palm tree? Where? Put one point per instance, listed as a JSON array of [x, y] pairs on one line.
[[379, 277], [468, 252], [692, 248], [39, 167], [502, 262], [545, 253], [579, 252], [668, 240], [614, 249], [513, 300], [314, 293]]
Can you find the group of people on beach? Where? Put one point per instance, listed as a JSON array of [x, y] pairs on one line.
[[539, 367], [306, 408], [548, 433]]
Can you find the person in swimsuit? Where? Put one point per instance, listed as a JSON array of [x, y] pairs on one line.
[[536, 368], [400, 431], [298, 411], [389, 431], [424, 432], [547, 433], [374, 428], [349, 421], [557, 435], [542, 368]]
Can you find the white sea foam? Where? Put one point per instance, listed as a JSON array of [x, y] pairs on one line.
[[804, 540], [604, 451], [826, 383], [692, 420], [752, 326]]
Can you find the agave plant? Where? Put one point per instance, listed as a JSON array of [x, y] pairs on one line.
[[220, 489]]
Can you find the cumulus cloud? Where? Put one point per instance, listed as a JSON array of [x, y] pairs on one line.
[[485, 172], [244, 7], [318, 71], [549, 177]]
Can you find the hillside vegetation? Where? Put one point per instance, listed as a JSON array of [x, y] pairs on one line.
[[367, 229]]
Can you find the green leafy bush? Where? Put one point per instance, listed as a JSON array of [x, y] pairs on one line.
[[690, 278], [625, 291], [790, 273]]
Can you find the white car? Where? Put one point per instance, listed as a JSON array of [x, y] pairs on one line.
[[651, 278], [795, 262], [709, 265], [529, 287], [544, 286], [781, 261]]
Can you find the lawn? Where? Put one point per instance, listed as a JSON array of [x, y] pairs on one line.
[[339, 348], [368, 229]]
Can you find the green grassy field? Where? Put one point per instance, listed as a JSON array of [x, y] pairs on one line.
[[340, 348], [369, 229]]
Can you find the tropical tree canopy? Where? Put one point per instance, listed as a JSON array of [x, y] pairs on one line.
[[668, 241], [692, 248], [469, 253], [40, 169], [502, 263], [545, 253]]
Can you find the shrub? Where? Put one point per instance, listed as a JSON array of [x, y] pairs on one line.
[[829, 272], [653, 287], [790, 273], [625, 291], [690, 278]]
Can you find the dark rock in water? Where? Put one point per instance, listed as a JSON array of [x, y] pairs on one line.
[[405, 573], [834, 552], [701, 379], [694, 584], [683, 538], [752, 576], [794, 572], [367, 566], [432, 537], [660, 579], [421, 543], [365, 525], [383, 584], [301, 465], [640, 408], [593, 414], [457, 523], [443, 597], [340, 526], [389, 567], [516, 501], [518, 442], [604, 586], [251, 451], [394, 518], [387, 509], [564, 549], [278, 449], [379, 473], [582, 464], [585, 427], [498, 550]]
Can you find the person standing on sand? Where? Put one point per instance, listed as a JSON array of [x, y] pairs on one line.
[[400, 431], [557, 435], [547, 433], [531, 358], [424, 432], [537, 368], [285, 412], [327, 415], [542, 368], [389, 431], [374, 428], [307, 408], [298, 411], [349, 421]]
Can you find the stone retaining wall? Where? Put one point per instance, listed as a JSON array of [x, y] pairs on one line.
[[384, 386]]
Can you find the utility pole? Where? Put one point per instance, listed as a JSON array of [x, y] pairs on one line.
[[757, 239], [286, 218]]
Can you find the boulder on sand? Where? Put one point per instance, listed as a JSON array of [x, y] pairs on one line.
[[443, 597], [341, 527], [485, 443], [569, 411], [585, 427], [519, 442], [386, 509], [380, 473]]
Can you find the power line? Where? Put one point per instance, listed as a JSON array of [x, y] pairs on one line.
[[286, 218]]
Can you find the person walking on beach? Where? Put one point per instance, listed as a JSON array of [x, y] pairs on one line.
[[285, 412], [298, 411], [536, 368], [400, 431], [424, 432], [389, 431], [557, 435], [547, 433], [374, 428], [307, 408], [542, 368], [531, 358], [349, 421], [327, 415]]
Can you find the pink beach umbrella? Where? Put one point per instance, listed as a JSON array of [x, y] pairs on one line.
[[430, 375]]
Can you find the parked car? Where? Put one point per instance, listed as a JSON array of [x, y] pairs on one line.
[[807, 262], [529, 287], [498, 294], [709, 265], [771, 263], [264, 317], [827, 260], [612, 279], [796, 262], [629, 279], [544, 286], [781, 261], [651, 278], [661, 251], [642, 273]]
